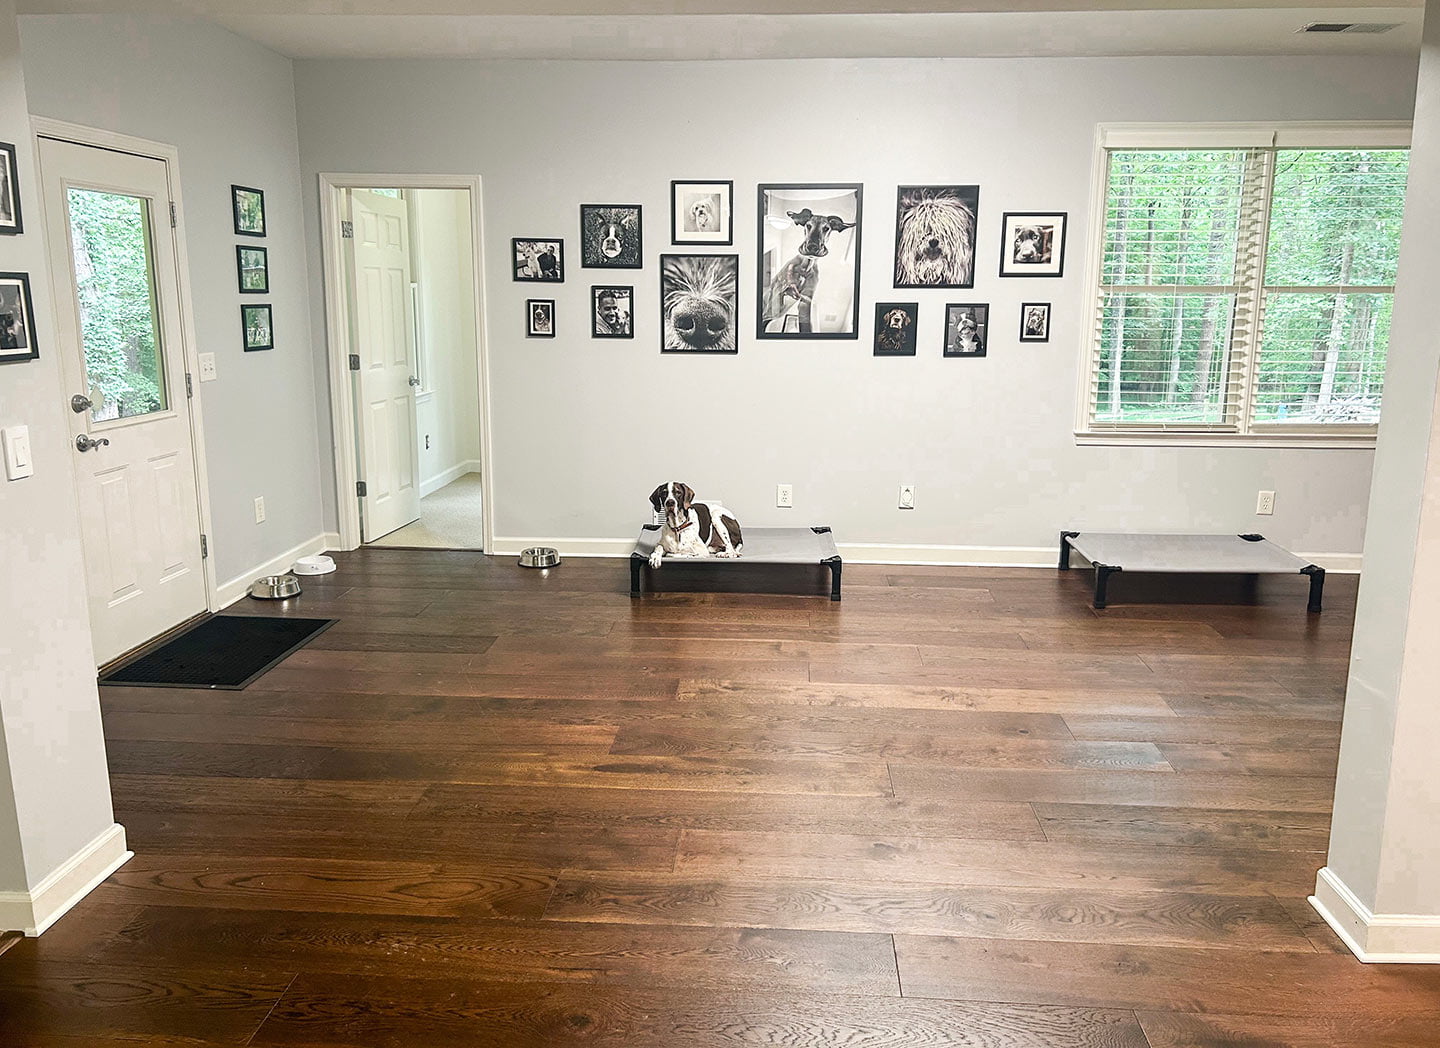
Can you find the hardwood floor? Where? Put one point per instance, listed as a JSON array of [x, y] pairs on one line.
[[492, 807]]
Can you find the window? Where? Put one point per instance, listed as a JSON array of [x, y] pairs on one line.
[[1244, 283]]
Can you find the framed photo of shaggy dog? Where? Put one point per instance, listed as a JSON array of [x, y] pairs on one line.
[[809, 271], [699, 303], [702, 213], [1032, 244], [935, 236]]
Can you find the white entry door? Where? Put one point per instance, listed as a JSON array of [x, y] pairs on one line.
[[385, 342], [112, 255]]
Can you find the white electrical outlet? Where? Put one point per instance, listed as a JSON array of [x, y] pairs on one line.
[[785, 495], [907, 496], [1265, 503], [260, 509], [207, 367]]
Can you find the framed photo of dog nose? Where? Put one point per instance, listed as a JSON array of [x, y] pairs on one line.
[[967, 329], [610, 236], [935, 236], [809, 265], [699, 303], [895, 324], [702, 213], [1032, 243]]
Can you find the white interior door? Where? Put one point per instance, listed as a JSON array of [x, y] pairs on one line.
[[386, 384], [113, 269]]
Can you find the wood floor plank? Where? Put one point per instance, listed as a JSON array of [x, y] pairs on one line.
[[1187, 1030], [1056, 700], [1241, 759], [1186, 827], [1251, 729]]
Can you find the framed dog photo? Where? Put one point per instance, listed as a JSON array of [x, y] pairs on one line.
[[895, 324], [699, 303], [967, 327], [248, 206], [252, 264], [1032, 244], [935, 236], [610, 236], [1035, 322], [702, 213], [10, 222], [612, 314], [17, 320], [259, 328], [809, 268], [539, 318], [536, 259]]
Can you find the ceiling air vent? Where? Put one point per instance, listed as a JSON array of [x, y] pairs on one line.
[[1348, 27]]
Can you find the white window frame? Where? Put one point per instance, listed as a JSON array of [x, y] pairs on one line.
[[1288, 135]]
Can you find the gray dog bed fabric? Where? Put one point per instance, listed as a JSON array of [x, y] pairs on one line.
[[1112, 552], [759, 546]]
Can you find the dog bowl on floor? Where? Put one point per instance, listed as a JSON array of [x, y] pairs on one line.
[[539, 557], [317, 565], [275, 587]]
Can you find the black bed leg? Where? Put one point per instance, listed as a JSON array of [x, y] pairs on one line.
[[834, 578], [1317, 586], [1102, 583], [635, 563], [1065, 537]]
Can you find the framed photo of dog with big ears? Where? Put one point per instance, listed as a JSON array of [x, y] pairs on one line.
[[1032, 243], [809, 269], [702, 213], [935, 236]]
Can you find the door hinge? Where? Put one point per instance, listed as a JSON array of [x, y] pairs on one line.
[[354, 361], [189, 389], [360, 488], [347, 230], [173, 221], [204, 547]]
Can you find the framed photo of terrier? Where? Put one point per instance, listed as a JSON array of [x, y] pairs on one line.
[[610, 236], [935, 236], [895, 324], [536, 258], [702, 213], [17, 320], [967, 329], [613, 312], [809, 265], [10, 222], [1032, 243], [539, 318], [1035, 322], [248, 206]]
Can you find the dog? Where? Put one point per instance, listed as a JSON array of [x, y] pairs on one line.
[[693, 528], [698, 294], [967, 334], [1032, 244], [702, 215], [615, 232], [934, 240], [892, 331], [798, 279]]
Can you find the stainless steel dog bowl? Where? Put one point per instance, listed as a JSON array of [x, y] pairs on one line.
[[275, 587], [539, 557]]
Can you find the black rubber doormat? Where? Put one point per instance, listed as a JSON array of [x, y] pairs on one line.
[[224, 652]]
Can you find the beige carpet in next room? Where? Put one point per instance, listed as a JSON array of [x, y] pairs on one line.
[[449, 519]]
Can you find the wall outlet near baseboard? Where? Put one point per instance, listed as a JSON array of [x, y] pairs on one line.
[[207, 367], [785, 496], [1265, 504], [907, 496], [260, 509]]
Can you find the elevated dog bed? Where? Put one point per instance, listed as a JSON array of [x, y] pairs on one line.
[[789, 546], [1110, 552]]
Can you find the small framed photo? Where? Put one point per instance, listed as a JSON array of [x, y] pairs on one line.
[[539, 318], [967, 328], [1032, 243], [895, 324], [17, 320], [702, 213], [249, 207], [613, 313], [253, 266], [10, 222], [1035, 322], [538, 259], [610, 236], [259, 329]]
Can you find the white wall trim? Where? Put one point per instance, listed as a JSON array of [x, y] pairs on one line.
[[33, 911], [433, 484], [1375, 938], [237, 587]]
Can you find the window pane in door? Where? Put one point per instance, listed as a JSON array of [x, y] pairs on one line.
[[115, 284]]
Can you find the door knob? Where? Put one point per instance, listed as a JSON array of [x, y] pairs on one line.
[[84, 442], [80, 403], [414, 381]]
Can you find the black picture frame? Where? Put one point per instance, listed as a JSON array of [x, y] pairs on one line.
[[247, 209], [611, 236], [897, 326], [1030, 331], [702, 212], [18, 343], [618, 322], [539, 318], [1021, 255], [935, 234], [528, 259], [12, 223], [789, 266], [702, 293], [257, 337], [241, 269], [966, 339]]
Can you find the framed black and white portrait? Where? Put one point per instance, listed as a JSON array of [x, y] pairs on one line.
[[1035, 322], [535, 258], [935, 236], [1032, 244], [259, 328], [702, 213], [699, 303], [252, 264], [17, 320], [539, 318], [809, 266], [895, 328], [967, 329], [610, 236], [10, 221], [248, 206], [612, 313]]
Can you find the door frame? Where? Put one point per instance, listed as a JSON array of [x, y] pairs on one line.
[[98, 138], [339, 339]]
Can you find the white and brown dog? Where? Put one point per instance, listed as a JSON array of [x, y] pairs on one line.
[[693, 528]]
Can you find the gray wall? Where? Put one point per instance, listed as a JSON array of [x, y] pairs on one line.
[[987, 442]]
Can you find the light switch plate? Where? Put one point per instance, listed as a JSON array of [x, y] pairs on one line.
[[18, 462]]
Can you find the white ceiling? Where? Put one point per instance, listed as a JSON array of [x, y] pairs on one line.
[[738, 29]]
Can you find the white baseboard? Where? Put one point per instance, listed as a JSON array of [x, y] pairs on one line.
[[1375, 938], [33, 911], [449, 476], [229, 592]]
